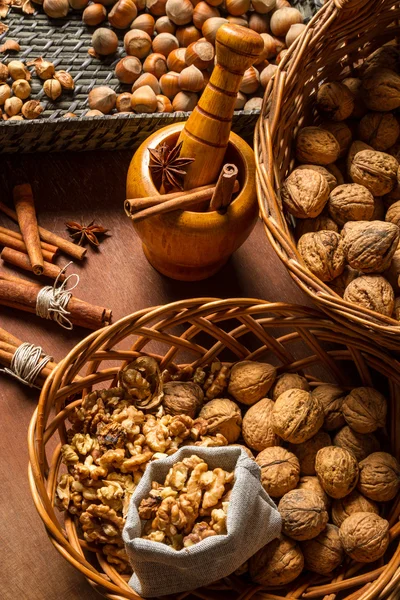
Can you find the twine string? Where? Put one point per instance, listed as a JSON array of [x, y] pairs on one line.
[[27, 363], [51, 301]]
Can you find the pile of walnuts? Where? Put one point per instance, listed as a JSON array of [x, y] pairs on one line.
[[317, 451], [345, 191]]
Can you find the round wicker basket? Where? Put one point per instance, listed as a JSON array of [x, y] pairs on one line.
[[194, 332], [342, 33]]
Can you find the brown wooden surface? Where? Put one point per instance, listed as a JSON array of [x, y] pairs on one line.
[[83, 187]]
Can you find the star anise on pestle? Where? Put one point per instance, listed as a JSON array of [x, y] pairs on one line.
[[167, 163], [86, 232]]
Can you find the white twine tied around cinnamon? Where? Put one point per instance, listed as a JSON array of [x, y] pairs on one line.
[[27, 363], [51, 301]]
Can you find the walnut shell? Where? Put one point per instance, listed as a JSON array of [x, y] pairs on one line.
[[307, 451], [381, 89], [372, 292], [317, 146], [393, 214], [323, 253], [379, 210], [280, 470], [335, 101], [337, 471], [305, 193], [364, 536], [385, 57], [354, 84], [250, 381], [353, 503], [331, 399], [322, 222], [370, 245], [356, 147], [339, 284], [289, 381], [365, 409], [336, 172], [392, 273], [257, 428], [342, 133], [303, 514], [377, 171], [297, 416], [223, 416], [359, 444], [379, 477], [182, 398], [380, 130], [351, 202], [309, 482], [324, 553], [278, 563], [330, 177]]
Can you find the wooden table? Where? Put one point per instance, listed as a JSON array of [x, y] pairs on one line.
[[82, 187]]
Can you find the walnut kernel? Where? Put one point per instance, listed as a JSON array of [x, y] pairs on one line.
[[337, 471]]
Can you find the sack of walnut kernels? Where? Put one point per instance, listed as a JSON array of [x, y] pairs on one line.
[[252, 521]]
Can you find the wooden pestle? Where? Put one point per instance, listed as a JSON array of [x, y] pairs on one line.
[[205, 136]]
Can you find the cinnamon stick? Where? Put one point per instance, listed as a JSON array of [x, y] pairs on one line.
[[26, 214], [9, 350], [22, 294], [16, 244], [22, 261], [137, 204], [222, 195], [48, 236], [8, 338], [49, 247]]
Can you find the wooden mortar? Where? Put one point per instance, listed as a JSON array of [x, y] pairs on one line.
[[187, 245]]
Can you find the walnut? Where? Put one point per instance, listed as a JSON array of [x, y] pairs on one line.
[[372, 292], [297, 416], [323, 253], [370, 245], [365, 409], [182, 398], [379, 477], [336, 172], [379, 130], [278, 563], [393, 213], [141, 380], [359, 444], [305, 193], [353, 503], [307, 451], [322, 222], [289, 381], [303, 514], [396, 310], [342, 133], [317, 146], [309, 482], [364, 536], [330, 177], [331, 398], [340, 283], [335, 101], [250, 381], [280, 470], [257, 428], [377, 171], [337, 471], [392, 273], [324, 553], [224, 417], [381, 89], [356, 147], [351, 202], [395, 151], [385, 57], [246, 449], [354, 84]]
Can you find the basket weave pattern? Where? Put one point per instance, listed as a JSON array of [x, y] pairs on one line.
[[339, 35], [195, 332]]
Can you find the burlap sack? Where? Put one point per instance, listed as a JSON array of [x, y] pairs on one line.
[[253, 520], [308, 8]]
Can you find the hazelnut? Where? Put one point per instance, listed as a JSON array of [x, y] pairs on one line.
[[21, 89], [324, 553], [94, 14], [305, 193], [250, 82], [364, 536], [337, 471], [353, 503], [297, 416], [250, 381], [144, 100], [184, 101], [156, 7], [12, 106], [267, 74], [65, 79], [223, 416], [210, 27], [359, 444], [241, 100], [137, 43], [263, 6], [277, 563], [123, 102], [381, 89], [351, 202], [164, 104], [310, 482], [187, 34], [202, 12], [104, 41], [282, 19], [32, 109], [128, 69], [280, 470], [323, 253], [155, 64], [169, 84], [200, 54], [331, 398], [176, 60], [364, 409], [256, 428], [256, 22], [162, 25], [56, 9], [373, 292], [191, 79], [294, 32], [237, 7], [342, 133], [78, 4], [316, 145], [94, 113], [146, 23], [289, 381], [370, 245], [102, 98], [147, 79], [52, 88], [303, 514], [307, 451], [377, 171], [179, 12], [335, 101], [3, 72], [321, 223], [380, 130], [165, 43], [182, 398], [17, 70], [379, 477], [122, 14]]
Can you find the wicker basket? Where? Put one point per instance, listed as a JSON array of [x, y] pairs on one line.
[[195, 332], [341, 33]]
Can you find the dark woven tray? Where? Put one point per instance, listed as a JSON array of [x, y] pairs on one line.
[[65, 42]]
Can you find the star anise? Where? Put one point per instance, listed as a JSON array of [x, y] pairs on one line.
[[167, 163], [86, 232]]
